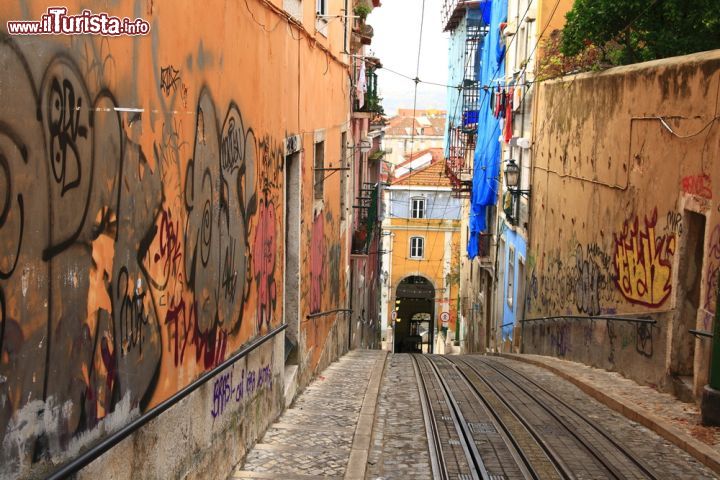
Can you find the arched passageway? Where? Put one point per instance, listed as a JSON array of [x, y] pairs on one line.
[[415, 315]]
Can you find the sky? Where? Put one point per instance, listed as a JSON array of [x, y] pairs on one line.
[[396, 26]]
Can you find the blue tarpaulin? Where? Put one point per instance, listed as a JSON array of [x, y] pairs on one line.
[[487, 150]]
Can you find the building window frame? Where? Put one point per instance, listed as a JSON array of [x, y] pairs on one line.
[[319, 165], [417, 248], [511, 278], [418, 207]]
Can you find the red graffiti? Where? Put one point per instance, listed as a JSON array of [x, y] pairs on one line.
[[317, 260], [264, 252], [643, 262], [109, 360], [210, 346], [699, 185]]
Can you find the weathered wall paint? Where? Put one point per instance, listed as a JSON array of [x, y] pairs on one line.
[[141, 212], [611, 189]]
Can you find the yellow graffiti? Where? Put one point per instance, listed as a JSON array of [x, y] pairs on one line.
[[643, 262]]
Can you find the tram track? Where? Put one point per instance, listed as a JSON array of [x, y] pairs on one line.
[[536, 391], [486, 420], [448, 439]]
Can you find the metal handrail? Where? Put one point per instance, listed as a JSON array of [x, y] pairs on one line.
[[109, 442], [701, 333], [329, 312], [596, 317]]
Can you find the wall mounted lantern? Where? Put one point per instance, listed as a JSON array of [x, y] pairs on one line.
[[512, 179]]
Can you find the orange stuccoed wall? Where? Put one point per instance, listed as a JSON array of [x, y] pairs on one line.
[[142, 235]]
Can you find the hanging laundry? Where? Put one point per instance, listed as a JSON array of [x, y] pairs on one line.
[[503, 103], [496, 102], [508, 130]]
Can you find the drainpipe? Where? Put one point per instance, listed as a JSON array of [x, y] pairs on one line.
[[710, 403]]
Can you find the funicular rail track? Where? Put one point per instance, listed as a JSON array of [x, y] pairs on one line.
[[618, 459], [486, 420]]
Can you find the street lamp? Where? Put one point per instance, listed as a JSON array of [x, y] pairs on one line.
[[512, 179]]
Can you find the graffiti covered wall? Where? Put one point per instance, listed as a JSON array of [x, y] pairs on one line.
[[620, 175], [141, 214]]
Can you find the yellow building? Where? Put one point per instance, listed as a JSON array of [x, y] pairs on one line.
[[421, 235]]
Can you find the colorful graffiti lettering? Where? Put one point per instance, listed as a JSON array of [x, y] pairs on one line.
[[136, 267], [642, 262]]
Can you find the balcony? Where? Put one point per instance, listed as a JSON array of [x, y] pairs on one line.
[[372, 103], [454, 10], [462, 133], [461, 145], [484, 245]]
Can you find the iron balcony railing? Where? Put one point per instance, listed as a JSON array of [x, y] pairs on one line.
[[372, 103]]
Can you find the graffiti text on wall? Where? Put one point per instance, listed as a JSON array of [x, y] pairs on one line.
[[229, 388], [135, 270], [699, 185], [642, 262]]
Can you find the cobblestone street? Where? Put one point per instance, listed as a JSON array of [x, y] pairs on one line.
[[327, 429], [365, 417]]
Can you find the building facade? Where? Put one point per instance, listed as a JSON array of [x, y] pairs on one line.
[[409, 132], [494, 47], [421, 235], [169, 236]]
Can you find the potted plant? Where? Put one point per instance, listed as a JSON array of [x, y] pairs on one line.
[[362, 10]]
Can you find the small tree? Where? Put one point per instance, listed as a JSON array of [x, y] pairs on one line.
[[629, 31]]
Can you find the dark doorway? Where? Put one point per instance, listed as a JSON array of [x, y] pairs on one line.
[[292, 251], [690, 281], [415, 312]]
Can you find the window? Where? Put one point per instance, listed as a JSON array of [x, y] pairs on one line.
[[321, 21], [344, 175], [319, 172], [417, 208], [417, 247], [511, 278]]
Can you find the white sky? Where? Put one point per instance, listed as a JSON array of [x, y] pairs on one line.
[[396, 26]]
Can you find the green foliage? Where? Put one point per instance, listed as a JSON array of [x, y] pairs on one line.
[[630, 31], [554, 64], [362, 10]]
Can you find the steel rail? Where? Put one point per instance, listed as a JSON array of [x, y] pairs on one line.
[[594, 451], [617, 444], [463, 429], [581, 442], [516, 452], [437, 460], [556, 460]]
